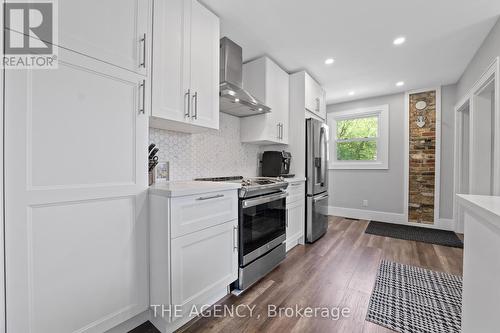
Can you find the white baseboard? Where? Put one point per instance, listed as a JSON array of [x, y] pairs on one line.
[[447, 224], [362, 214], [131, 323]]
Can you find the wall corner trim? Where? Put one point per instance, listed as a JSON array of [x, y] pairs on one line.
[[388, 217]]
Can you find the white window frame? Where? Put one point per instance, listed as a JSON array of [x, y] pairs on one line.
[[382, 162]]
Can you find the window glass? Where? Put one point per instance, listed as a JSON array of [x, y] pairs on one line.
[[357, 151], [357, 128]]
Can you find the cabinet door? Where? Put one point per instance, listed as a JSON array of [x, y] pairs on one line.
[[322, 105], [111, 31], [320, 102], [204, 262], [170, 77], [268, 82], [295, 223], [311, 93], [75, 198], [277, 85], [204, 66]]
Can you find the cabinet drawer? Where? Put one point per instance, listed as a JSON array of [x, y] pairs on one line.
[[296, 191], [197, 212]]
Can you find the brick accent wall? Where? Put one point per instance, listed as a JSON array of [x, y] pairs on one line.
[[422, 159]]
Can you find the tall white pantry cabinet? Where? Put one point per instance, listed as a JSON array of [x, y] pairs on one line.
[[76, 165]]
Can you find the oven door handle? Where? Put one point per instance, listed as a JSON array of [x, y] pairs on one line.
[[262, 200]]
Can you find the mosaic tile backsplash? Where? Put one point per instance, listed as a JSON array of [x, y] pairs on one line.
[[207, 154]]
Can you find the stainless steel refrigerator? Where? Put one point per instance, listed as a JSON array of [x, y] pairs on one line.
[[317, 179]]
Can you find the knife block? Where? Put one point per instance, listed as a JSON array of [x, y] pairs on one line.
[[152, 176]]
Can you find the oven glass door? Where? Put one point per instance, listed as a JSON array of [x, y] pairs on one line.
[[262, 221]]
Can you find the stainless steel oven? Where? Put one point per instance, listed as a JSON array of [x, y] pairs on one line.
[[262, 225], [262, 236]]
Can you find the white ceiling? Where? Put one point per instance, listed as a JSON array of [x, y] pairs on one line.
[[441, 38]]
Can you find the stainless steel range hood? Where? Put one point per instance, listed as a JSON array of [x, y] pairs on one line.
[[233, 98]]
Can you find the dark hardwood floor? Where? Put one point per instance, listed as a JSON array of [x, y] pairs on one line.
[[337, 271]]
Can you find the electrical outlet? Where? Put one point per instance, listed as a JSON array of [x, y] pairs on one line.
[[365, 203]]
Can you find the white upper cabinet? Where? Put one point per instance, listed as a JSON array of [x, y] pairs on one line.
[[116, 32], [204, 66], [314, 96], [270, 84], [185, 78], [170, 70]]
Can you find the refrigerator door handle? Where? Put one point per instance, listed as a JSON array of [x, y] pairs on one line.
[[324, 154], [321, 159], [322, 197]]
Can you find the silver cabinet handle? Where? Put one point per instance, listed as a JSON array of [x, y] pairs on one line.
[[142, 90], [211, 197], [317, 104], [282, 130], [143, 42], [279, 131], [195, 103], [187, 112], [278, 128], [286, 218], [235, 238]]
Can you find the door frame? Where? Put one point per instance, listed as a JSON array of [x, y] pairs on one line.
[[437, 177], [457, 165], [491, 74]]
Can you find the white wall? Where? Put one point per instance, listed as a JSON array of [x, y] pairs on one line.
[[207, 154], [448, 100], [489, 50], [384, 189]]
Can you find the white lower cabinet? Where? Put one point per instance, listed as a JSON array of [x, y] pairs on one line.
[[295, 215], [193, 254], [202, 262]]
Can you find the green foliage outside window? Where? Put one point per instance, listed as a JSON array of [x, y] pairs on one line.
[[357, 139]]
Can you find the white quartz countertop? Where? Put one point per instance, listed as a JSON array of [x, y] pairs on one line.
[[183, 188], [483, 204]]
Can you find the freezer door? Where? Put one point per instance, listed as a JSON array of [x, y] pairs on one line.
[[317, 217], [317, 156]]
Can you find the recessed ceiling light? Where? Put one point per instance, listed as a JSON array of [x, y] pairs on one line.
[[236, 100], [260, 109], [399, 41], [351, 93], [329, 61], [400, 83]]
